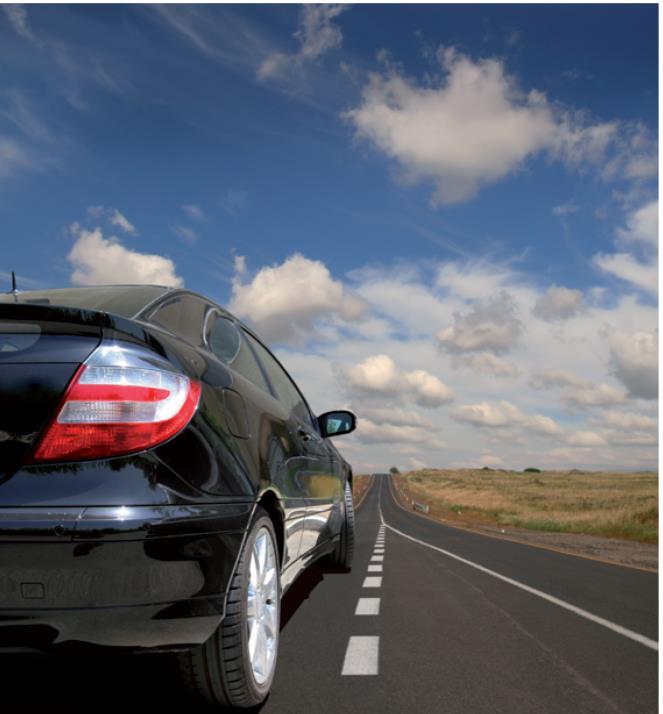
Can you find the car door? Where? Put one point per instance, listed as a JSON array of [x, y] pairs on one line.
[[261, 426], [316, 481]]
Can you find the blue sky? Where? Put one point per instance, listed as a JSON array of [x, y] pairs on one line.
[[445, 216]]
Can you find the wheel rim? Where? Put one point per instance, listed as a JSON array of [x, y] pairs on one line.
[[263, 607]]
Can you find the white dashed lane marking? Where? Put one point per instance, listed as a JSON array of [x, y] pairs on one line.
[[377, 558], [368, 606], [374, 568], [372, 581], [361, 657]]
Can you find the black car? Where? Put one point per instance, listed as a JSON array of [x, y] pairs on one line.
[[162, 483]]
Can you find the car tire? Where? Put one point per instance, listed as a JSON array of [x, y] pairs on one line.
[[235, 667], [342, 555]]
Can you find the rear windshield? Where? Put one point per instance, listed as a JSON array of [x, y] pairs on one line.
[[122, 300]]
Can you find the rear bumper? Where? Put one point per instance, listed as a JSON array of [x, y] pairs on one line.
[[139, 577]]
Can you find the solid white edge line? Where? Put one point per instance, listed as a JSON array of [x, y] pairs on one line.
[[625, 632], [361, 655]]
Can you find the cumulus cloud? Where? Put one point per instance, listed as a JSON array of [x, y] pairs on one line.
[[634, 360], [559, 303], [285, 301], [594, 395], [105, 261], [316, 34], [628, 421], [473, 126], [491, 326], [505, 414], [379, 376]]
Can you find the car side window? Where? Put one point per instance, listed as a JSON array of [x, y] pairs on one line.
[[286, 391], [184, 316], [225, 342]]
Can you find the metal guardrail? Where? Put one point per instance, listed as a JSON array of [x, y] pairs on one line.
[[422, 507]]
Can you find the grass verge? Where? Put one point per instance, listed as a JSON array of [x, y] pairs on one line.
[[608, 504], [360, 484]]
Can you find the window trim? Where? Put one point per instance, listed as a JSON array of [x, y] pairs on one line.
[[313, 418]]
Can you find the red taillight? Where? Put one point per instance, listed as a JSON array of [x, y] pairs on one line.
[[113, 410]]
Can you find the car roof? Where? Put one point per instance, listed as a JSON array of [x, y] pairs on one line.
[[124, 300]]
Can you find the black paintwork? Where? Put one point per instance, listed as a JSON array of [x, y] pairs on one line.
[[137, 551]]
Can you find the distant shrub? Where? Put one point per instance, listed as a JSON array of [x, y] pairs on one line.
[[531, 470], [486, 468]]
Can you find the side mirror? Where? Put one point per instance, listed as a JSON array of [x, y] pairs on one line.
[[337, 423]]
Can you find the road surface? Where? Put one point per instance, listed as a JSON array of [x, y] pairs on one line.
[[453, 622]]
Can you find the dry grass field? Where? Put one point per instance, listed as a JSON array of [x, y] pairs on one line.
[[359, 485], [615, 505]]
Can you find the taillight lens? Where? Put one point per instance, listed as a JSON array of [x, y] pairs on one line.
[[113, 410]]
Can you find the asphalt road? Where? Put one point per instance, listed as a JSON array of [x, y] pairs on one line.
[[448, 636]]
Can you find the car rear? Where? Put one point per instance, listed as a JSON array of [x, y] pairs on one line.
[[102, 540]]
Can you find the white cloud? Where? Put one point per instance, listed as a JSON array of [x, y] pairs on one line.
[[565, 209], [558, 303], [105, 261], [548, 378], [316, 34], [397, 417], [113, 217], [585, 438], [595, 395], [285, 301], [641, 235], [13, 157], [641, 225], [18, 18], [405, 306], [486, 363], [499, 414], [625, 267], [186, 233], [505, 414], [492, 326], [369, 432], [472, 280], [121, 221], [628, 421], [379, 376], [634, 357], [194, 211], [474, 126]]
